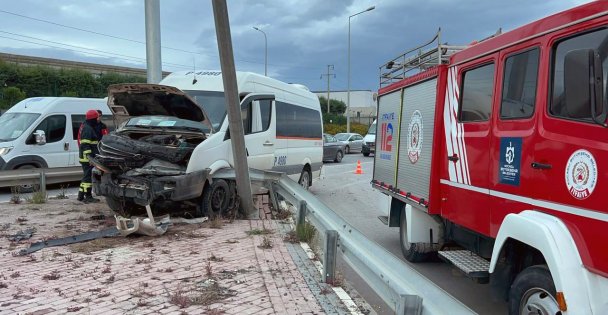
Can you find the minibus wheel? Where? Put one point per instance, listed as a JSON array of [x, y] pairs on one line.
[[216, 198], [305, 178]]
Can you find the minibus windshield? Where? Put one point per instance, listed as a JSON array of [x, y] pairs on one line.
[[12, 125]]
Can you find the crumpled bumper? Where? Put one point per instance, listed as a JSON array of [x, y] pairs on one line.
[[144, 190]]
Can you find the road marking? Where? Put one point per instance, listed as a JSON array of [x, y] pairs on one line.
[[342, 295]]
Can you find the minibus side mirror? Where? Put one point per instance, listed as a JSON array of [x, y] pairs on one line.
[[40, 137], [583, 85]]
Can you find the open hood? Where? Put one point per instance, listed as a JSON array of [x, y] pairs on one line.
[[140, 99]]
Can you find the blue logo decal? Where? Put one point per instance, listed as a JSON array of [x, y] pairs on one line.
[[510, 161]]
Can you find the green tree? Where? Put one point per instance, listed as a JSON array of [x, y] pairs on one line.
[[336, 107], [10, 96]]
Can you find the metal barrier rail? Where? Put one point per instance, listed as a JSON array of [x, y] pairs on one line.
[[402, 288], [40, 176]]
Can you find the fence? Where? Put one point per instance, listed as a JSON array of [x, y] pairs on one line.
[[40, 176]]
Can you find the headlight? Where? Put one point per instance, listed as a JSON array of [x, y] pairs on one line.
[[5, 150]]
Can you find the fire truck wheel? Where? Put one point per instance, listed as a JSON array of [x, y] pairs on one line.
[[413, 252], [216, 198], [533, 292]]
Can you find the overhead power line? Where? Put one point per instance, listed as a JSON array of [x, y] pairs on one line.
[[83, 51], [138, 41]]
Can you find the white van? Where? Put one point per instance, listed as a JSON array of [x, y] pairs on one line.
[[174, 136], [42, 132], [369, 141]]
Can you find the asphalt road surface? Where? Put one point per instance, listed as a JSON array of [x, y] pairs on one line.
[[353, 198]]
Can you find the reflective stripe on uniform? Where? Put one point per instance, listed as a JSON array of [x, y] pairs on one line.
[[88, 141], [85, 186]]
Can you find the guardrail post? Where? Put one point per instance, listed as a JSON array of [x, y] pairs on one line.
[[301, 214], [42, 182], [409, 305], [329, 259]]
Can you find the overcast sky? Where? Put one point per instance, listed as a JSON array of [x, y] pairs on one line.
[[303, 36]]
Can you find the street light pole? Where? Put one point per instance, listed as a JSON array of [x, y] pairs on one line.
[[348, 93], [265, 51]]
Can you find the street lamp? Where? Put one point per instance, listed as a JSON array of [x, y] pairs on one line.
[[265, 51], [348, 93]]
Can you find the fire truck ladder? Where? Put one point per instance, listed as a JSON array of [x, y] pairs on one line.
[[416, 60]]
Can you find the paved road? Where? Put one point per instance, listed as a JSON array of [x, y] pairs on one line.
[[352, 197]]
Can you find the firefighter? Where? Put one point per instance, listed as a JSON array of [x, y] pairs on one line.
[[102, 129], [89, 137]]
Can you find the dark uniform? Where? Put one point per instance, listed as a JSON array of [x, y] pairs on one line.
[[89, 137]]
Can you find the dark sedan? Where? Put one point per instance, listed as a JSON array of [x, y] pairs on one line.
[[333, 150]]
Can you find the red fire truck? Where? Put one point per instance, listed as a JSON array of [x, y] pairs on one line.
[[495, 156]]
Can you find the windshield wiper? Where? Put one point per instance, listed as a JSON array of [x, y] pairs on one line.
[[185, 128]]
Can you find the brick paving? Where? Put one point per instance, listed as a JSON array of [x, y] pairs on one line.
[[192, 269]]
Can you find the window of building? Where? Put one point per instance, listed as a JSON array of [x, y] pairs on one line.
[[519, 85], [476, 96], [575, 104]]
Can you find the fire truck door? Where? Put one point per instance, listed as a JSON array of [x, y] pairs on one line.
[[468, 144], [571, 166], [513, 135]]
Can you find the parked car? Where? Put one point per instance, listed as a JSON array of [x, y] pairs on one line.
[[369, 141], [352, 141], [333, 150]]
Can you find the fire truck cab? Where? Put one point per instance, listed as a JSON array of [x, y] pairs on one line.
[[495, 156]]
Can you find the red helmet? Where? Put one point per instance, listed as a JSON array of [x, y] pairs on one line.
[[92, 114]]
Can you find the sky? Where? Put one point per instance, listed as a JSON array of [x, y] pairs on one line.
[[304, 37]]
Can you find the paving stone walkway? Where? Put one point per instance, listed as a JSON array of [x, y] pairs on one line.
[[210, 268]]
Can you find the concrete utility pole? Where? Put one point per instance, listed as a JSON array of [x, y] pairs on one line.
[[237, 137], [153, 59], [328, 76]]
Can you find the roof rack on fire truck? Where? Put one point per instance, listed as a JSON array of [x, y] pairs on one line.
[[417, 59]]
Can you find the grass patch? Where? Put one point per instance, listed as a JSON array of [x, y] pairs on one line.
[[263, 231], [37, 197], [266, 243], [305, 232], [216, 223], [207, 293], [215, 258], [94, 245], [15, 195], [63, 193]]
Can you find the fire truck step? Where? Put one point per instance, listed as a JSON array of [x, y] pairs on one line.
[[472, 265], [383, 219]]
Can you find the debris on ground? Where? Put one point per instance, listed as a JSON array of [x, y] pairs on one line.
[[22, 235]]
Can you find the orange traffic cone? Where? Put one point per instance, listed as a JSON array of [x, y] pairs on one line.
[[358, 170]]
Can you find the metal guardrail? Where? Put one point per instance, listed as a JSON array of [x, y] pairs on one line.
[[40, 176], [402, 288]]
